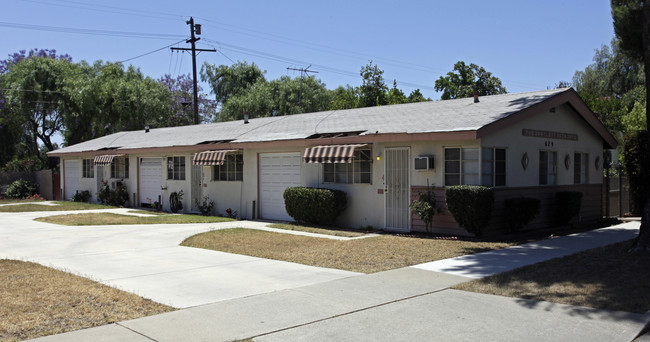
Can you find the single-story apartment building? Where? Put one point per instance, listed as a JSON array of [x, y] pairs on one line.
[[526, 144]]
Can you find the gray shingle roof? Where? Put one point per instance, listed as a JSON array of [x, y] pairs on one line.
[[423, 117]]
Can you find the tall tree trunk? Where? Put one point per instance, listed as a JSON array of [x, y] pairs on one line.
[[642, 242]]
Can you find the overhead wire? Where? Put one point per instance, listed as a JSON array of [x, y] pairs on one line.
[[150, 52]]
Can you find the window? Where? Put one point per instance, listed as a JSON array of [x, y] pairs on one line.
[[88, 170], [176, 168], [547, 167], [580, 162], [493, 167], [461, 166], [231, 170], [359, 171], [120, 168]]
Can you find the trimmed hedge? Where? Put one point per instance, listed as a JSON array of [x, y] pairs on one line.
[[471, 206], [519, 211], [567, 204], [314, 205], [22, 188]]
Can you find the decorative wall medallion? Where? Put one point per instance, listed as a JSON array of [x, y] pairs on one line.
[[567, 161], [597, 163], [525, 160]]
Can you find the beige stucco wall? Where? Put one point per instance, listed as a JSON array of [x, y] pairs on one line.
[[564, 120]]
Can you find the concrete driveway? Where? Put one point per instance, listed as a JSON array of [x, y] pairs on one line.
[[147, 259]]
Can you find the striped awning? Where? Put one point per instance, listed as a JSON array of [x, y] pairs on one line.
[[330, 153], [106, 159], [210, 157]]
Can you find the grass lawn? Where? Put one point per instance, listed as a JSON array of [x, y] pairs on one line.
[[367, 255], [61, 206], [331, 231], [38, 301], [10, 201], [604, 278], [101, 219]]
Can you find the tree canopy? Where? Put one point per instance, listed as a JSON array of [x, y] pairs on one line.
[[465, 79]]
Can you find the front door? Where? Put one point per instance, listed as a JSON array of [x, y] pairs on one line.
[[398, 189], [196, 186]]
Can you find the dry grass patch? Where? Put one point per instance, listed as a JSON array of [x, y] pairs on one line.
[[61, 206], [10, 201], [38, 301], [604, 278], [368, 255], [327, 231], [102, 219]]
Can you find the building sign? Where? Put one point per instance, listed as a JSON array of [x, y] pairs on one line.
[[548, 134]]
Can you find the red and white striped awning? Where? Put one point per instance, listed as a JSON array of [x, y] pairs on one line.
[[330, 153], [106, 159], [206, 158]]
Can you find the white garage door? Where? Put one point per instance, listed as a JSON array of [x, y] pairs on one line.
[[72, 175], [150, 180], [278, 171]]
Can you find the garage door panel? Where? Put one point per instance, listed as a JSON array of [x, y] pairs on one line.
[[278, 171], [72, 175], [150, 180]]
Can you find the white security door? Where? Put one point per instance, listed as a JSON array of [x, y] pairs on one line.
[[150, 180], [278, 171], [398, 189], [196, 186], [72, 175]]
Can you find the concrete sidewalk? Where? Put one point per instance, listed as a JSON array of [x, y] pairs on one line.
[[409, 304]]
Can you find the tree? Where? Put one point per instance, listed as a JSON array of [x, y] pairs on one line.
[[396, 96], [373, 90], [465, 79], [632, 27], [344, 98], [229, 81], [416, 96], [277, 97], [181, 89], [612, 86]]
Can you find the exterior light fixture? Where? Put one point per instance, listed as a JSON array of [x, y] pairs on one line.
[[379, 156]]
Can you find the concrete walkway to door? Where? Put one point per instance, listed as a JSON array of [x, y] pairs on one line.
[[147, 259]]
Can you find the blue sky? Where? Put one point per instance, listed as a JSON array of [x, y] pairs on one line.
[[529, 45]]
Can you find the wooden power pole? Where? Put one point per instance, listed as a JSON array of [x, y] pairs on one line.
[[194, 29]]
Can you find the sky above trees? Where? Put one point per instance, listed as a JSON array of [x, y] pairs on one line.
[[528, 45]]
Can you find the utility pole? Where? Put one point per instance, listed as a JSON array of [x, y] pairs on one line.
[[194, 29], [305, 71]]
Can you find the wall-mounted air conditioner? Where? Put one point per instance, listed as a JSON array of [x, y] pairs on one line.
[[423, 163]]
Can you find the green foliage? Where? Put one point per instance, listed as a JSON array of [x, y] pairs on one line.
[[176, 201], [471, 206], [373, 90], [116, 198], [22, 188], [636, 154], [22, 165], [465, 79], [425, 207], [567, 205], [83, 196], [205, 206], [314, 205], [614, 88], [628, 25], [519, 211], [231, 81], [344, 98]]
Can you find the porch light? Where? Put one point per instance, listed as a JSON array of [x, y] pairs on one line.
[[379, 156]]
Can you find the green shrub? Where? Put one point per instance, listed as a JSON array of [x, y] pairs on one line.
[[21, 188], [637, 167], [205, 206], [567, 205], [519, 211], [116, 198], [425, 207], [471, 206], [83, 196], [314, 205]]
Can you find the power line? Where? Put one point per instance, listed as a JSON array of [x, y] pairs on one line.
[[91, 31], [148, 53]]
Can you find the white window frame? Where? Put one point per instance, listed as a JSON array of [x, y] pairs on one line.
[[580, 168], [88, 168], [550, 167], [176, 168], [232, 169], [489, 167], [350, 173], [463, 165], [120, 168]]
